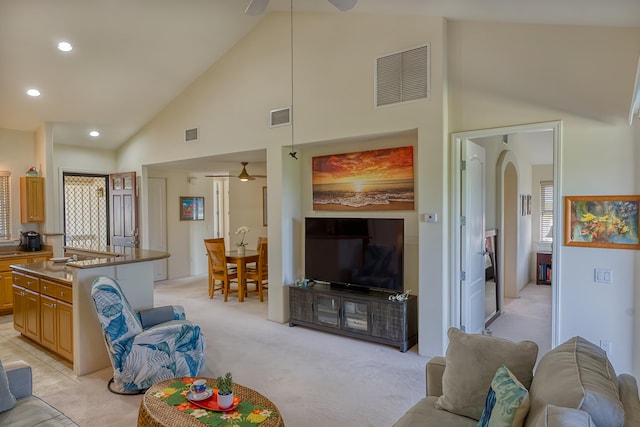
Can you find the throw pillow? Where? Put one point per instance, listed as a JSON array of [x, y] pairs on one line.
[[507, 401], [577, 374], [472, 360], [7, 400]]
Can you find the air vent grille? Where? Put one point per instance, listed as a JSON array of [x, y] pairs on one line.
[[191, 135], [280, 117], [403, 76]]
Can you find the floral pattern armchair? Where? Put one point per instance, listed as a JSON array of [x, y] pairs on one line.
[[142, 356]]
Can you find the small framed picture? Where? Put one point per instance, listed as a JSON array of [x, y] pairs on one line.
[[191, 208], [601, 221]]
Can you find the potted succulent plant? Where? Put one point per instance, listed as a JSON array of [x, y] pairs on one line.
[[225, 391]]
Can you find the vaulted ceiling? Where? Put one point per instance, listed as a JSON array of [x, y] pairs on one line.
[[130, 58]]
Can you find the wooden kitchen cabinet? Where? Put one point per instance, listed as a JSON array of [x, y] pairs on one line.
[[6, 278], [57, 318], [31, 199], [43, 312], [6, 283]]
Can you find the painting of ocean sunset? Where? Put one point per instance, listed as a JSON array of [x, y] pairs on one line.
[[377, 180]]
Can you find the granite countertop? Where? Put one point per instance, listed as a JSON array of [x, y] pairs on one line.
[[108, 255], [23, 254], [50, 269]]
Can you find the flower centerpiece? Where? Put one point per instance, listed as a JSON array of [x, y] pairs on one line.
[[241, 246]]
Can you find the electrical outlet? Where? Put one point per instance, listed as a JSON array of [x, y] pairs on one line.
[[606, 346], [430, 217]]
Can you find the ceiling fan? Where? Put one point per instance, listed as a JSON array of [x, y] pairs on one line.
[[257, 7], [244, 175]]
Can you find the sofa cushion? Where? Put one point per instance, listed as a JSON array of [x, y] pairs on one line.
[[424, 413], [507, 402], [472, 360], [555, 416], [7, 400], [31, 411], [577, 374]]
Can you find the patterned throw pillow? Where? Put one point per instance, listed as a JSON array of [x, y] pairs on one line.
[[507, 402]]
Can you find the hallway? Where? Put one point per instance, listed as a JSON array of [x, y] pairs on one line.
[[527, 317]]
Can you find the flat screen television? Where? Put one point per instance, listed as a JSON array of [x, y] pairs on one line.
[[363, 252]]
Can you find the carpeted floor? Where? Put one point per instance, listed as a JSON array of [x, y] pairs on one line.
[[314, 378], [527, 317]]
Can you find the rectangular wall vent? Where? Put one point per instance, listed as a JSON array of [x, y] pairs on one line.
[[403, 76], [280, 117], [191, 135]]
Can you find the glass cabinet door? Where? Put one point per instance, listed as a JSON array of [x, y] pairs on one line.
[[355, 315], [328, 309]]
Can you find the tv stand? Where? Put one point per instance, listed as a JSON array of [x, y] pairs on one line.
[[365, 315]]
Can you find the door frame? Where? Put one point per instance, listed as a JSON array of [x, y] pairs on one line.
[[455, 265]]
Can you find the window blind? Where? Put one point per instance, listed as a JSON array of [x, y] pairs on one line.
[[5, 206], [546, 211]]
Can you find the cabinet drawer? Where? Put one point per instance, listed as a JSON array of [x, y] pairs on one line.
[[29, 282], [5, 263], [56, 290]]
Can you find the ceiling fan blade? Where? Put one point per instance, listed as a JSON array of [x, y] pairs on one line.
[[219, 176], [343, 5], [256, 7]]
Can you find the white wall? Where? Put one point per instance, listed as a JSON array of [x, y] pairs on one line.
[[68, 158], [245, 206], [503, 74], [496, 75], [411, 221], [18, 155], [230, 104]]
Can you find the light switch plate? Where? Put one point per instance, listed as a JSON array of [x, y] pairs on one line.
[[602, 275]]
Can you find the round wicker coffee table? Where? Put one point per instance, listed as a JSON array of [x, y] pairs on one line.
[[156, 412]]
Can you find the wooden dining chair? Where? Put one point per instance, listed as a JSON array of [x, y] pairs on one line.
[[218, 269], [260, 274]]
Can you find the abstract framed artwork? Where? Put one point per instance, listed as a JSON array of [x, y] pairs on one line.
[[374, 180], [191, 208], [602, 221]]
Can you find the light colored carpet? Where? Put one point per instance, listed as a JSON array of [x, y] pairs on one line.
[[314, 378], [527, 318]]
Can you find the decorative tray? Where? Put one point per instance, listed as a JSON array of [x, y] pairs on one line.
[[211, 403]]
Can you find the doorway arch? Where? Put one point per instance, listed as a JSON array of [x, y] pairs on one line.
[[507, 186]]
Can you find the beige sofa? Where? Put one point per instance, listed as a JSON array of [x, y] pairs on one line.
[[574, 385], [19, 407]]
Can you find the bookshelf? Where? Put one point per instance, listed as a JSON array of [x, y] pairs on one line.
[[543, 268]]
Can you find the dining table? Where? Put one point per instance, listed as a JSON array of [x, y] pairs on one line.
[[241, 261]]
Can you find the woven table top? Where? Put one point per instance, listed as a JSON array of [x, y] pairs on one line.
[[156, 412]]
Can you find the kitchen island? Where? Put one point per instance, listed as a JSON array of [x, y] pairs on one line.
[[131, 267]]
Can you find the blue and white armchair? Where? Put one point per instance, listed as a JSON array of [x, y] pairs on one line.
[[144, 352]]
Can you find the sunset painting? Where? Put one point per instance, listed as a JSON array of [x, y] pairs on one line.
[[366, 180]]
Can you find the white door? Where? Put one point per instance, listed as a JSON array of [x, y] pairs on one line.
[[472, 280], [158, 224]]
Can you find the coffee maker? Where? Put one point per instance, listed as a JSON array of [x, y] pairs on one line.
[[29, 241]]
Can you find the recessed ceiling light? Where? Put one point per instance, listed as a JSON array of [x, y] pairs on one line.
[[33, 92], [65, 46], [94, 133]]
